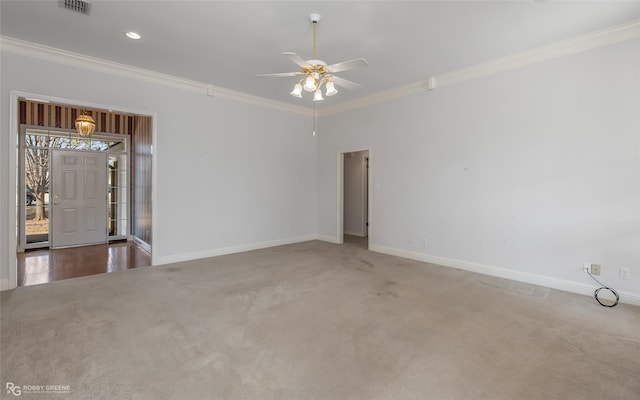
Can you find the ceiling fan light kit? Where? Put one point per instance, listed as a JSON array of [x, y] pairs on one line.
[[316, 74]]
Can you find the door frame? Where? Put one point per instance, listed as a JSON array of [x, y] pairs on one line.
[[340, 192], [21, 244], [10, 258]]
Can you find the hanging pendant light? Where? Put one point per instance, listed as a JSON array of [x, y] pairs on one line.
[[85, 124]]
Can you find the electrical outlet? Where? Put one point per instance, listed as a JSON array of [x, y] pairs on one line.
[[424, 242], [624, 273], [593, 269]]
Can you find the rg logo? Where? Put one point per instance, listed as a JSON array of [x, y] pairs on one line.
[[13, 389]]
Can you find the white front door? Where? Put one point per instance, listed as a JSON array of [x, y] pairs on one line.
[[79, 197]]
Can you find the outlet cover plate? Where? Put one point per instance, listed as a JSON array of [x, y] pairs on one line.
[[624, 273]]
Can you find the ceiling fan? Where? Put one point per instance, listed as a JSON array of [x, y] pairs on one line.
[[315, 73]]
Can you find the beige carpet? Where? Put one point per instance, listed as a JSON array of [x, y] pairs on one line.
[[315, 321]]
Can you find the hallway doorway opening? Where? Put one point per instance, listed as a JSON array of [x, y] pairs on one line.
[[354, 208]]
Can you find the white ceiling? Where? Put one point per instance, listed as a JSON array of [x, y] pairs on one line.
[[226, 43]]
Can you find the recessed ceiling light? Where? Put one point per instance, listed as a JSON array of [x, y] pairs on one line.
[[133, 35]]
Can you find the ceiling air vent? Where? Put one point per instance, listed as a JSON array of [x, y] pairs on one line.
[[78, 6]]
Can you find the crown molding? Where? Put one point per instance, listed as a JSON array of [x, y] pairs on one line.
[[58, 56], [604, 37], [375, 98]]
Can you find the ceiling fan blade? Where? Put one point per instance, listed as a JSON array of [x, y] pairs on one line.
[[280, 74], [344, 83], [347, 65], [296, 59]]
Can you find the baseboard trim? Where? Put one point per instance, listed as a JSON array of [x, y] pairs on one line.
[[327, 238], [540, 280], [144, 245], [4, 284], [232, 249]]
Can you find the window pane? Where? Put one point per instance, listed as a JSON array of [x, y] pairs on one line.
[[37, 223], [37, 139], [117, 227], [99, 145]]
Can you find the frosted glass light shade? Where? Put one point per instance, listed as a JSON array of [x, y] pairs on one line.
[[310, 84], [317, 95], [297, 90], [331, 89]]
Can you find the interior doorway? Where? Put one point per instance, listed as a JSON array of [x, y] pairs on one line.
[[354, 201], [122, 184]]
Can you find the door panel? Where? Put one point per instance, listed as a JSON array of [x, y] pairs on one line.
[[90, 219], [69, 220], [69, 185], [79, 188], [90, 187]]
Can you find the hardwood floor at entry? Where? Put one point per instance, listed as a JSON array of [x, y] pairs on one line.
[[46, 265]]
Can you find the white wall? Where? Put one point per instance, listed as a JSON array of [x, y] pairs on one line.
[[229, 174], [355, 193], [531, 171], [526, 173]]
